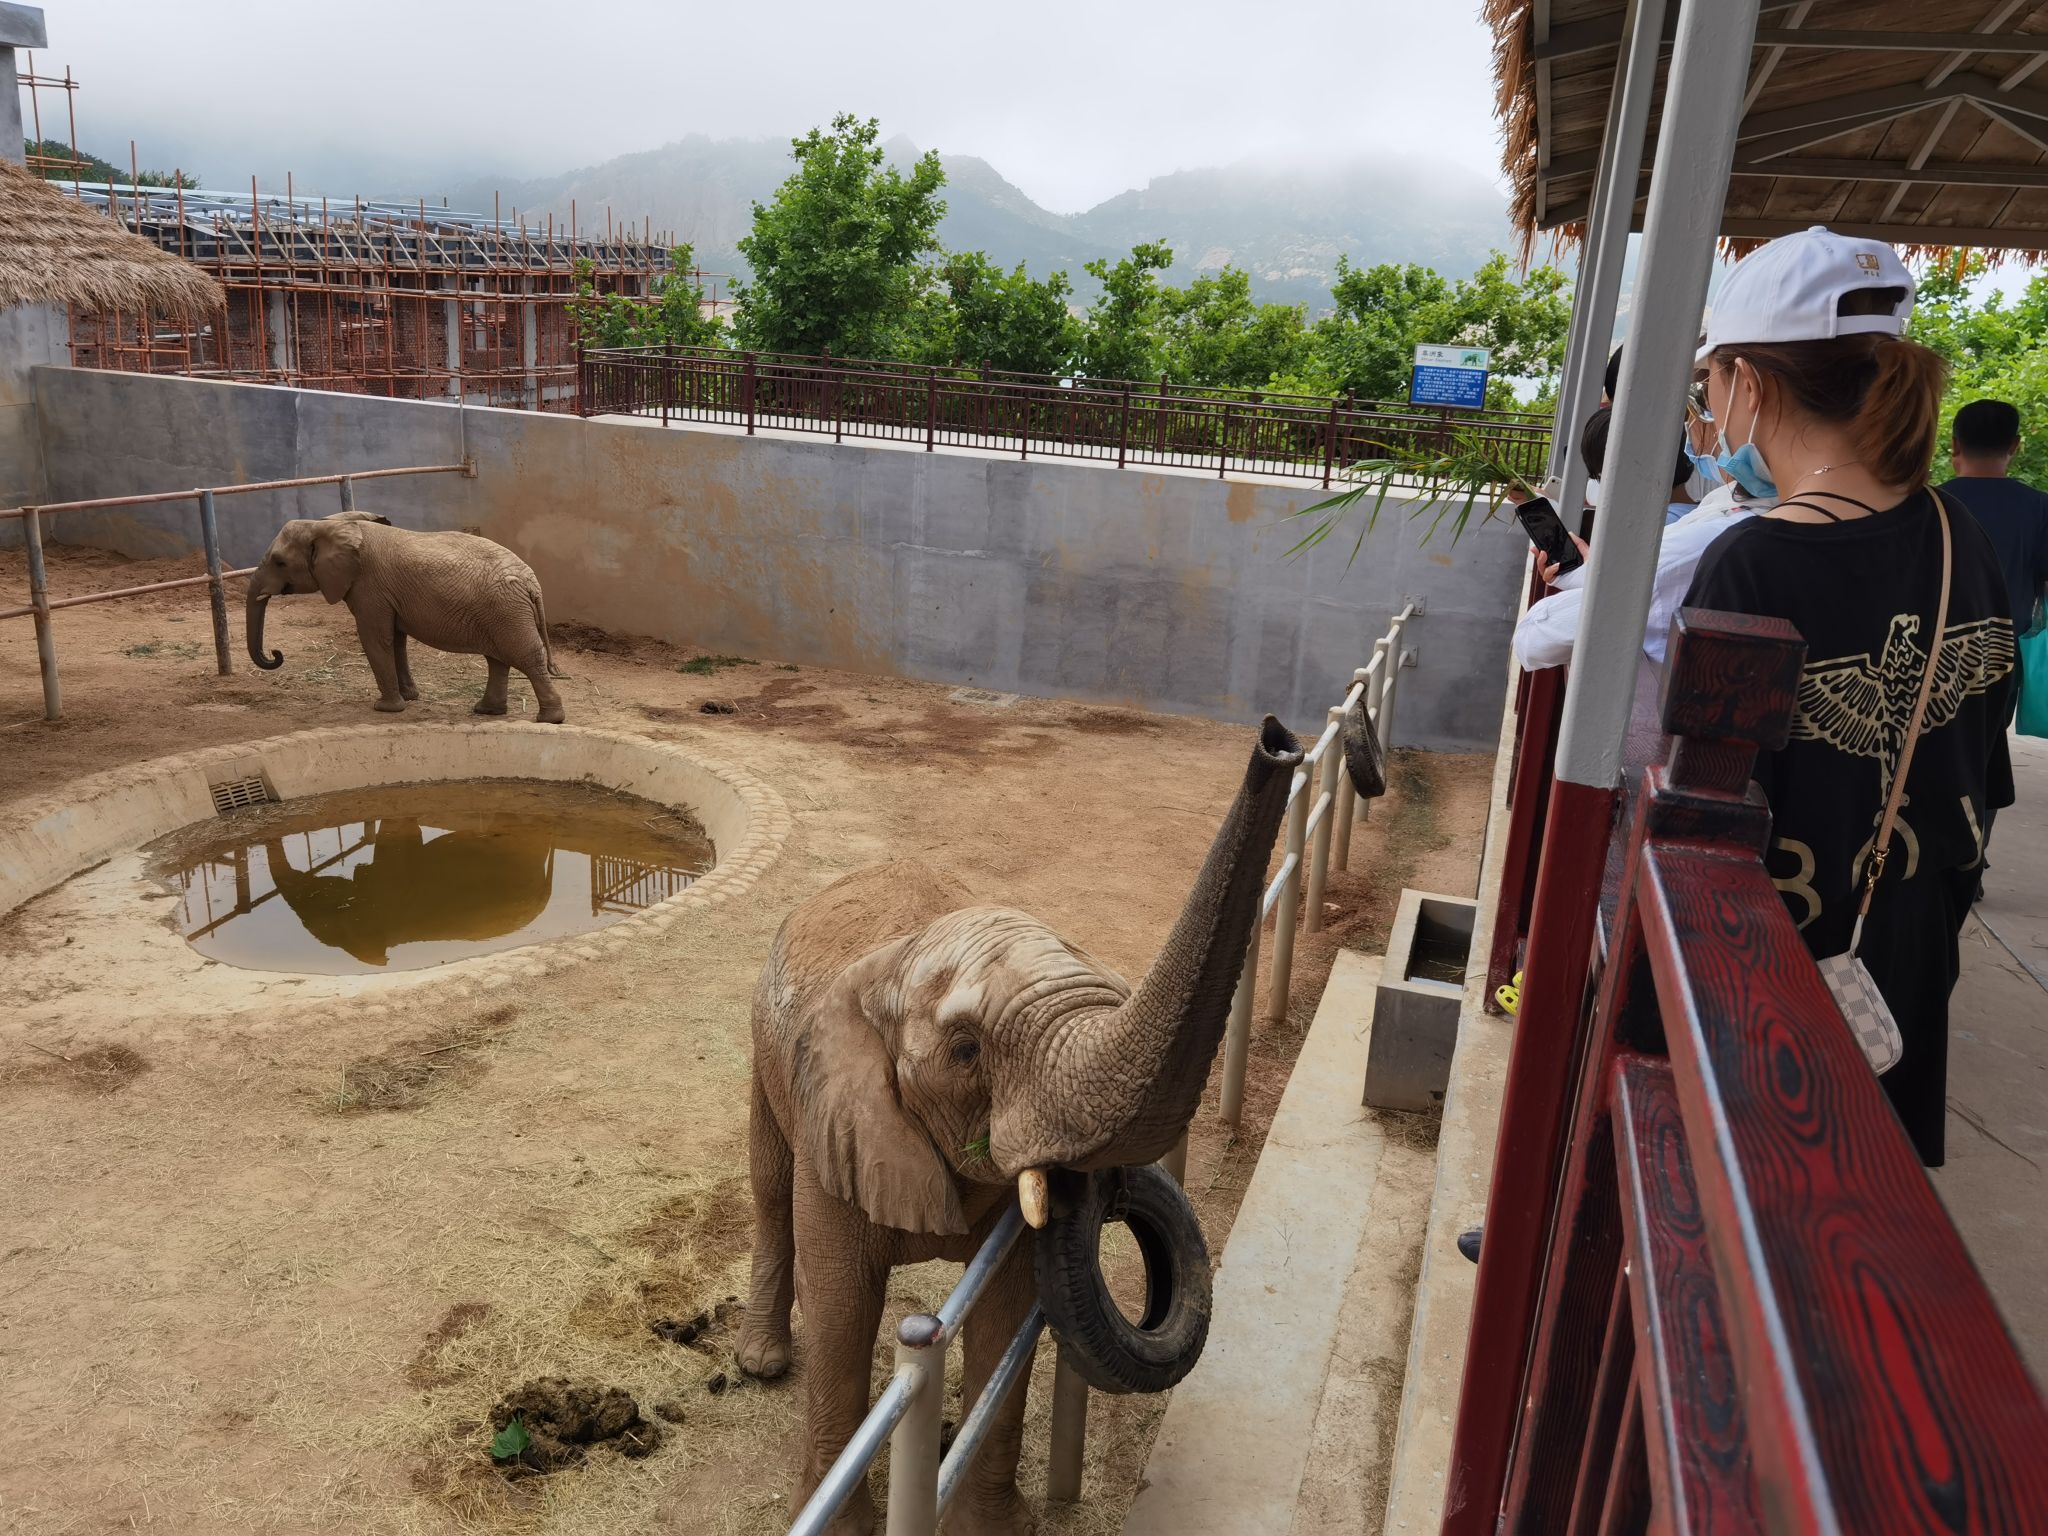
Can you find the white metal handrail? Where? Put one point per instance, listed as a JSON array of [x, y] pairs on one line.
[[906, 1414], [1321, 806]]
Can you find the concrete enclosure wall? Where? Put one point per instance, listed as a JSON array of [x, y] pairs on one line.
[[1163, 591]]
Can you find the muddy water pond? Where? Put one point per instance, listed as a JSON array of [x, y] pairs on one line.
[[406, 876]]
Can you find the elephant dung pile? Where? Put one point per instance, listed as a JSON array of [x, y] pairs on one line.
[[552, 1423]]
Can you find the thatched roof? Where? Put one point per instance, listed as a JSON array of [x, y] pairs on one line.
[[56, 250], [1921, 122]]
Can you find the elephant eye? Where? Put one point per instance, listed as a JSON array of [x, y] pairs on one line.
[[967, 1051]]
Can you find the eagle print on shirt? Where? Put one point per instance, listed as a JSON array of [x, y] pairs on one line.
[[1863, 704]]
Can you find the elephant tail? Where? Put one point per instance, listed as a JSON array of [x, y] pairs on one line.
[[540, 617]]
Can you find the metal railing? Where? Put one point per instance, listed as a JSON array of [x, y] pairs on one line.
[[1321, 806], [41, 605], [1107, 421], [906, 1416]]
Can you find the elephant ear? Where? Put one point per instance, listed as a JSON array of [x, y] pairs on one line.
[[864, 1145], [356, 517], [337, 555]]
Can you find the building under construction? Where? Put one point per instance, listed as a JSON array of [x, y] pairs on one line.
[[381, 298], [370, 297]]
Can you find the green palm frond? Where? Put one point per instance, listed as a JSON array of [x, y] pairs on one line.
[[1448, 479]]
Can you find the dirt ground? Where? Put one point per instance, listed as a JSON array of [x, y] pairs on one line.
[[279, 1282]]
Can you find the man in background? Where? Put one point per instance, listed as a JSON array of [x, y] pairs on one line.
[[1984, 439]]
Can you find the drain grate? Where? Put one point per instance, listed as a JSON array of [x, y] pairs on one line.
[[236, 793]]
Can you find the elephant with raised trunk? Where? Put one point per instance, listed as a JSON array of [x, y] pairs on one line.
[[454, 591], [916, 1057]]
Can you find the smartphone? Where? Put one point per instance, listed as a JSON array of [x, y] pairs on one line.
[[1548, 533]]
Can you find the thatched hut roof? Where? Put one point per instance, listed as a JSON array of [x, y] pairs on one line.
[[1921, 122], [57, 250]]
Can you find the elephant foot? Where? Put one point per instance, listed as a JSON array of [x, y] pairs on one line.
[[486, 707], [390, 706], [763, 1354], [1008, 1515], [551, 714], [408, 692]]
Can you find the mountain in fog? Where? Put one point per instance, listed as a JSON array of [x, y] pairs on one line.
[[1285, 224]]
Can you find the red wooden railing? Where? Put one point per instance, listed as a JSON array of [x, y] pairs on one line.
[[1754, 1313]]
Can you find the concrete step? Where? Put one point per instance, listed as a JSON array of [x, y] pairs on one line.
[[1286, 1426]]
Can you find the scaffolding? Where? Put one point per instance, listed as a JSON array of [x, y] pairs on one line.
[[367, 296]]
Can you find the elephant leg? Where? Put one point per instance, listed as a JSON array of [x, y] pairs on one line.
[[989, 1504], [842, 1275], [764, 1337], [377, 628], [493, 701], [407, 689], [535, 665]]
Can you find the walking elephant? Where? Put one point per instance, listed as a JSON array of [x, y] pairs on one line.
[[453, 591], [915, 1056]]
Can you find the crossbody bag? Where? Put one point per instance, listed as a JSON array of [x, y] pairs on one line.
[[1863, 1006]]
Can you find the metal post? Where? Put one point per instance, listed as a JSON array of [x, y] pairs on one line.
[[1392, 678], [1330, 443], [1123, 428], [1223, 450], [216, 587], [914, 1447], [1069, 1432], [348, 493], [1176, 1160], [1695, 148], [1325, 783], [748, 381], [39, 599], [1606, 245], [1347, 806], [931, 409], [1237, 1035], [1287, 913]]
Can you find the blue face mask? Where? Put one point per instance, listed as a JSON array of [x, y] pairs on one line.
[[1745, 466], [1705, 465]]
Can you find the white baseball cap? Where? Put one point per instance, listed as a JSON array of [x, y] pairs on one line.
[[1791, 290]]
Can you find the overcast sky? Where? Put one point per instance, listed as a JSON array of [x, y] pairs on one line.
[[1073, 102]]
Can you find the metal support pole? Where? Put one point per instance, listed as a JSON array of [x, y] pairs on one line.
[[748, 379], [1176, 1161], [1319, 853], [1695, 148], [1237, 1035], [914, 1447], [1348, 804], [1069, 1430], [1606, 245], [348, 493], [39, 599], [1287, 914], [216, 588]]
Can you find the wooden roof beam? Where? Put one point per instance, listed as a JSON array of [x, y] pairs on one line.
[[1968, 43], [1998, 237], [1576, 37], [1892, 172]]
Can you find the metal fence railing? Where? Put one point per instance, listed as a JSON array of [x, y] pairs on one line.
[[1106, 421], [41, 605], [1321, 806]]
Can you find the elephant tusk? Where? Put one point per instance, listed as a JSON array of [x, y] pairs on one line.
[[1033, 1196]]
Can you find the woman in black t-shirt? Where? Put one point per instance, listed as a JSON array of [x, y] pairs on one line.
[[1819, 397]]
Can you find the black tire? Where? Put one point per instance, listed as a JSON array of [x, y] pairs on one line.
[[1112, 1353]]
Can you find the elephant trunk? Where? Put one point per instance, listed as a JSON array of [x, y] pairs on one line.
[[258, 602], [1135, 1073]]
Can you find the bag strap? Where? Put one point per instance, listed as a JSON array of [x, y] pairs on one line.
[[1883, 847]]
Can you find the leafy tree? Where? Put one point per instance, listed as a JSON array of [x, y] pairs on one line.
[[1367, 347], [974, 314], [835, 256], [1994, 351], [675, 317], [1211, 332], [1120, 337]]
